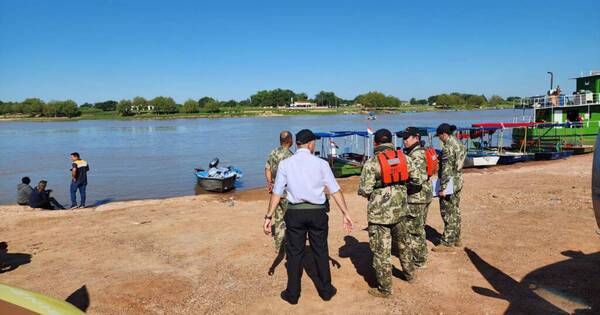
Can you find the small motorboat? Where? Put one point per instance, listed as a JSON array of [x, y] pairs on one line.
[[218, 179], [509, 157], [480, 159], [371, 116]]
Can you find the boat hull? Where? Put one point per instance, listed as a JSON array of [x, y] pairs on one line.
[[345, 170], [506, 159], [481, 161], [552, 155], [217, 184]]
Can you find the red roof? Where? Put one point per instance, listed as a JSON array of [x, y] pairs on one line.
[[505, 124]]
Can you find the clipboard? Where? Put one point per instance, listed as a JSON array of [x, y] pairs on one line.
[[436, 187]]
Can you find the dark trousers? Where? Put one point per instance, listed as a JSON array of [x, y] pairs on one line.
[[74, 187], [50, 204], [315, 224]]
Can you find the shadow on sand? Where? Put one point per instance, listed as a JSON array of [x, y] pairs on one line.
[[102, 202], [575, 279], [11, 261], [308, 263], [361, 257]]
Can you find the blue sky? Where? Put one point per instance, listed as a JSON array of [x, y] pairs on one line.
[[91, 51]]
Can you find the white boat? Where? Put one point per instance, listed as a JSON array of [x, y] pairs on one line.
[[480, 160]]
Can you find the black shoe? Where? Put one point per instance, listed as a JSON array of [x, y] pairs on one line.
[[330, 296], [285, 297]]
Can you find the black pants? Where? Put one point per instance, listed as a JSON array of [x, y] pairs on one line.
[[315, 224]]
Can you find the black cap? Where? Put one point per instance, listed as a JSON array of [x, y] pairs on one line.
[[305, 136], [445, 128], [383, 136], [408, 132]]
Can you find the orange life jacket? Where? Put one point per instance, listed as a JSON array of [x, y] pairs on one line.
[[394, 169], [432, 161]]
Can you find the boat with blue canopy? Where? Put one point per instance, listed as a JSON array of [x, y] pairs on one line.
[[345, 151]]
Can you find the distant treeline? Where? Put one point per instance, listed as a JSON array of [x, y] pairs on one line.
[[35, 107], [460, 99]]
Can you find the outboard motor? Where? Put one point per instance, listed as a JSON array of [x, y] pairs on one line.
[[213, 163]]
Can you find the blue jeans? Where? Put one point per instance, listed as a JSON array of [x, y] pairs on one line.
[[74, 187]]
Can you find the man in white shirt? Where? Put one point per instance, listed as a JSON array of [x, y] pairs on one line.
[[305, 177]]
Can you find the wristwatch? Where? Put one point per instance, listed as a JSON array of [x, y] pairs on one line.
[[268, 217]]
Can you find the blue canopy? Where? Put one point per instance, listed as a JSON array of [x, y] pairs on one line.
[[338, 134]]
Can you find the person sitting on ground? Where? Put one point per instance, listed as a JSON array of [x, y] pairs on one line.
[[24, 191], [40, 198]]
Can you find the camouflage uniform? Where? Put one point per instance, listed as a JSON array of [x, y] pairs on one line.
[[278, 226], [451, 164], [419, 198], [387, 214]]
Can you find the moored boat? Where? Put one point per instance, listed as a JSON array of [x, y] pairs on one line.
[[346, 156], [218, 179], [572, 119], [508, 155], [483, 159], [552, 155]]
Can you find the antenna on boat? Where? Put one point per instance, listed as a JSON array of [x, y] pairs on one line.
[[551, 79]]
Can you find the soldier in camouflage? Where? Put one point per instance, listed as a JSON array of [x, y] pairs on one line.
[[277, 155], [388, 217], [451, 165], [419, 194]]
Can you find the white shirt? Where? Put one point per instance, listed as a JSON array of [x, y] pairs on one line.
[[304, 177]]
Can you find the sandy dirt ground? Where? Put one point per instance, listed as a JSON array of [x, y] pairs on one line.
[[528, 232]]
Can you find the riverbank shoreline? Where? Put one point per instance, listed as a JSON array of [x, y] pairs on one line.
[[249, 113], [207, 253]]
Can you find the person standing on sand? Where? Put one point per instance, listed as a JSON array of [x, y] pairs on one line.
[[451, 165], [79, 170], [383, 182], [277, 155], [304, 177], [419, 193]]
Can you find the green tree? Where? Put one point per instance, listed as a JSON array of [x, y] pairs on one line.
[[33, 107], [106, 106], [476, 100], [230, 104], [272, 98], [212, 107], [496, 100], [164, 105], [205, 100], [377, 99], [329, 99], [191, 106], [301, 97], [139, 102], [124, 108]]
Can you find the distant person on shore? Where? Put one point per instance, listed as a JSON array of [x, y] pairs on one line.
[[24, 191], [304, 177], [79, 170], [278, 226], [40, 198], [451, 165]]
